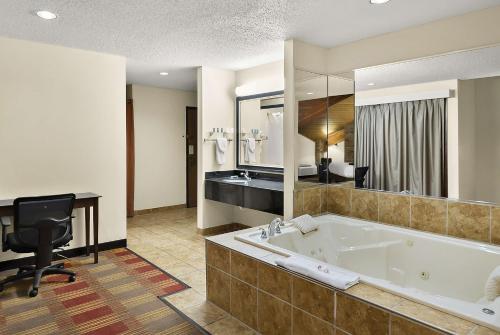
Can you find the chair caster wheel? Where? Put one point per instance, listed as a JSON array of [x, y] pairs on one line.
[[33, 292], [71, 279]]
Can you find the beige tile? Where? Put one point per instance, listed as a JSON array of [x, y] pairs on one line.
[[218, 256], [205, 313], [244, 303], [480, 330], [434, 317], [471, 221], [185, 299], [179, 269], [306, 324], [274, 316], [228, 326], [196, 279], [244, 268], [218, 288], [394, 209], [428, 215], [364, 205], [374, 295], [495, 225], [298, 203], [358, 318], [324, 199], [312, 201], [402, 326], [275, 281], [313, 298], [338, 200]]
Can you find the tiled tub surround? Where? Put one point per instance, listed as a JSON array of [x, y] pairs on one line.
[[244, 281], [394, 259], [468, 220]]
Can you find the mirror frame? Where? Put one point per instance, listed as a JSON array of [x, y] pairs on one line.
[[257, 168]]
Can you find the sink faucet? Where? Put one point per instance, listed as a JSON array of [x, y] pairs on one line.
[[275, 227], [246, 176]]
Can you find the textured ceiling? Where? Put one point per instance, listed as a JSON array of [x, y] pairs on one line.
[[178, 35], [479, 63]]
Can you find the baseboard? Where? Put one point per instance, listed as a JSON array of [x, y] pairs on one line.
[[74, 252], [226, 228], [158, 209]]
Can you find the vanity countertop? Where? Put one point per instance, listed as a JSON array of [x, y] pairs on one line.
[[273, 185]]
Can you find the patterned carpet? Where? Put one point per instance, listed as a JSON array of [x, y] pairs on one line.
[[117, 296]]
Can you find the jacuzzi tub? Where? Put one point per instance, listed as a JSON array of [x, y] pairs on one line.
[[442, 272]]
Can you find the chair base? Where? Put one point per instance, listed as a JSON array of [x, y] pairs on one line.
[[37, 274]]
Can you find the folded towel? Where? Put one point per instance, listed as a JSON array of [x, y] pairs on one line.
[[220, 150], [305, 223], [250, 150], [492, 287], [324, 272]]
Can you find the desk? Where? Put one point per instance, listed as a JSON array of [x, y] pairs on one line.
[[82, 200]]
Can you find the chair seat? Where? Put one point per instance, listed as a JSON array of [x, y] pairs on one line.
[[15, 245]]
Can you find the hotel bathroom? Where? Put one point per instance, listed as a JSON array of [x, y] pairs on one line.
[[359, 201]]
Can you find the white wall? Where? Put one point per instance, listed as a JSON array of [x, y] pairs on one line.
[[260, 79], [337, 153], [306, 150], [160, 145], [62, 129]]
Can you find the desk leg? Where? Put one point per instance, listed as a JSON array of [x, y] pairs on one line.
[[95, 221], [87, 230]]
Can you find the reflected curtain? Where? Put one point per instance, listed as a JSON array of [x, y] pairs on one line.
[[404, 145]]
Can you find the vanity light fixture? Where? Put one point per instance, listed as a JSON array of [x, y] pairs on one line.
[[163, 73], [378, 2], [46, 15]]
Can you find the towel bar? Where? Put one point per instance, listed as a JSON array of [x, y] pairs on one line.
[[213, 140]]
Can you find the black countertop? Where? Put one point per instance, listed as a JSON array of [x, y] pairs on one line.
[[266, 184]]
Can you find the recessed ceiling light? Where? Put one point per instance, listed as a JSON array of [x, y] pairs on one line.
[[371, 84], [46, 15], [310, 93], [378, 2], [163, 73]]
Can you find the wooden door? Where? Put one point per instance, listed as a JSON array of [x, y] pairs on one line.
[[191, 156], [130, 157]]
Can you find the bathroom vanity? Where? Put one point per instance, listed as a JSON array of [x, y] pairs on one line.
[[262, 191]]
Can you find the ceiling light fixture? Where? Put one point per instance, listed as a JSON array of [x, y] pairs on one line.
[[163, 73], [378, 2], [371, 84], [309, 93], [46, 15]]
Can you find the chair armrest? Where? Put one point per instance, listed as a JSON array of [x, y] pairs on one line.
[[51, 222], [4, 234]]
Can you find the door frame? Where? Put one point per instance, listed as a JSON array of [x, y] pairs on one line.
[[130, 143]]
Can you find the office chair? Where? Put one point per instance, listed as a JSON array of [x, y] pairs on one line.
[[41, 224]]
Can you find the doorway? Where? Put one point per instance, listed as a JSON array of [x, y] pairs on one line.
[[130, 157], [191, 156]]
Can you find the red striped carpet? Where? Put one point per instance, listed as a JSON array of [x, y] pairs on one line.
[[117, 296]]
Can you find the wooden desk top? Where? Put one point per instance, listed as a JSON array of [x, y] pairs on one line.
[[79, 196]]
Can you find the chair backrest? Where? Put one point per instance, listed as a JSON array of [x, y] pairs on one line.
[[28, 211]]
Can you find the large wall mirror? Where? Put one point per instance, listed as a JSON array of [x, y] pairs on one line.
[[431, 126], [325, 137], [260, 132]]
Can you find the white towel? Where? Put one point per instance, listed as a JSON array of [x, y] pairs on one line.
[[492, 287], [305, 223], [324, 272], [250, 150], [220, 150]]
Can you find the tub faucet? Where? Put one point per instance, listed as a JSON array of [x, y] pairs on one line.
[[274, 227]]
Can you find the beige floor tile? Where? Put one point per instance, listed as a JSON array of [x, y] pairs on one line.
[[186, 299], [229, 326], [205, 313]]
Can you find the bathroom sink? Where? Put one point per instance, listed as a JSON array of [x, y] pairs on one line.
[[235, 180]]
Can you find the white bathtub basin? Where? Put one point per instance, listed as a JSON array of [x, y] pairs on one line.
[[442, 272]]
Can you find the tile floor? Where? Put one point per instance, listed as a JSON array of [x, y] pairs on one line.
[[168, 239]]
